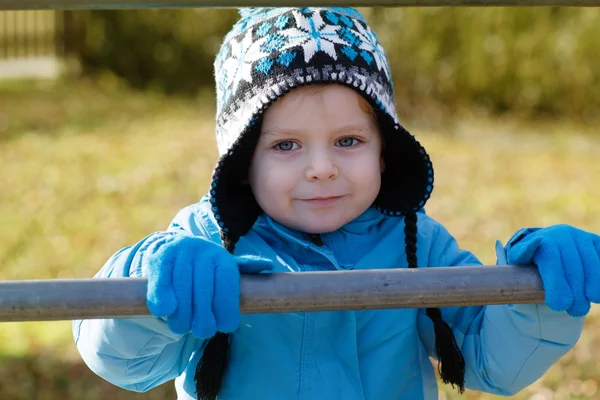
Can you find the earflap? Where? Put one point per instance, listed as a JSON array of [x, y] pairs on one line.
[[407, 180], [233, 203]]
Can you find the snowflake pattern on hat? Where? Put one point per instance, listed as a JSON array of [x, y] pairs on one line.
[[238, 66], [271, 50], [312, 34]]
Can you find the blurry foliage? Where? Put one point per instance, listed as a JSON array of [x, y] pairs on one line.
[[168, 50], [44, 376], [538, 61], [527, 60]]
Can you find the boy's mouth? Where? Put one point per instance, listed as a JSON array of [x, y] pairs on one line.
[[322, 200]]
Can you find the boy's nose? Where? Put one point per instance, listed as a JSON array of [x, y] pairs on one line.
[[321, 167]]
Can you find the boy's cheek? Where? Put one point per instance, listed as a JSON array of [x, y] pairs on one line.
[[273, 179], [272, 168]]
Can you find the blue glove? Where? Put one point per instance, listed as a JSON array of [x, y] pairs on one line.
[[195, 284], [568, 260]]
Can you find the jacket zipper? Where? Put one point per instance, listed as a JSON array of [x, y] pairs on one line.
[[316, 239]]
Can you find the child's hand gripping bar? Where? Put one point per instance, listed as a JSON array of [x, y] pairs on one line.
[[66, 299]]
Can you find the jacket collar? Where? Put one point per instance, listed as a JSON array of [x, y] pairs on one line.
[[357, 226], [343, 244]]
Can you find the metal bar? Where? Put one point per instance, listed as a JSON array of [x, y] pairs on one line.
[[4, 34], [26, 38], [49, 33], [15, 34], [20, 49], [126, 4], [38, 28], [284, 292], [59, 34]]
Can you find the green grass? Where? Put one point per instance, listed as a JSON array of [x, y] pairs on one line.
[[88, 168]]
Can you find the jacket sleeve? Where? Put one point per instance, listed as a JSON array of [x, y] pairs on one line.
[[138, 353], [506, 347]]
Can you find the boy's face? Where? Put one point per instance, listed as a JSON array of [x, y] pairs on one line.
[[318, 163]]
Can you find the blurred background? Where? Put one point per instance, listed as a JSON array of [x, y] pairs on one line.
[[107, 130]]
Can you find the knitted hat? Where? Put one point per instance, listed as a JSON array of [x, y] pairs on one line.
[[270, 51]]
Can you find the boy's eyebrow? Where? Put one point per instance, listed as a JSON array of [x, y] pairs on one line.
[[281, 132], [360, 127]]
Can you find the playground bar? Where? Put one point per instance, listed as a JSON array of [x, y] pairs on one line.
[[65, 299], [126, 4]]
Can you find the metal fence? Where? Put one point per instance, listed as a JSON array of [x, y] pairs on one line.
[[30, 34], [32, 42]]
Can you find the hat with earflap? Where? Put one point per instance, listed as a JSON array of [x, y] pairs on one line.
[[269, 52]]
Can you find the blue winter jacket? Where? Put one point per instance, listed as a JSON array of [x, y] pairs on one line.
[[345, 355]]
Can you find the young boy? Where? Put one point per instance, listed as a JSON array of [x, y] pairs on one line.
[[317, 174]]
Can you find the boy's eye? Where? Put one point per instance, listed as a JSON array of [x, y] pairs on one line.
[[347, 142], [285, 146]]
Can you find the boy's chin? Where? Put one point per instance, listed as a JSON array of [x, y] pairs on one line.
[[319, 226]]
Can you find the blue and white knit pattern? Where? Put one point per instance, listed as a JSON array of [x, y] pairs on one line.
[[269, 51]]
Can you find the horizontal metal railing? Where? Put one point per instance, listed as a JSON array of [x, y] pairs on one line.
[[123, 4], [64, 299]]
